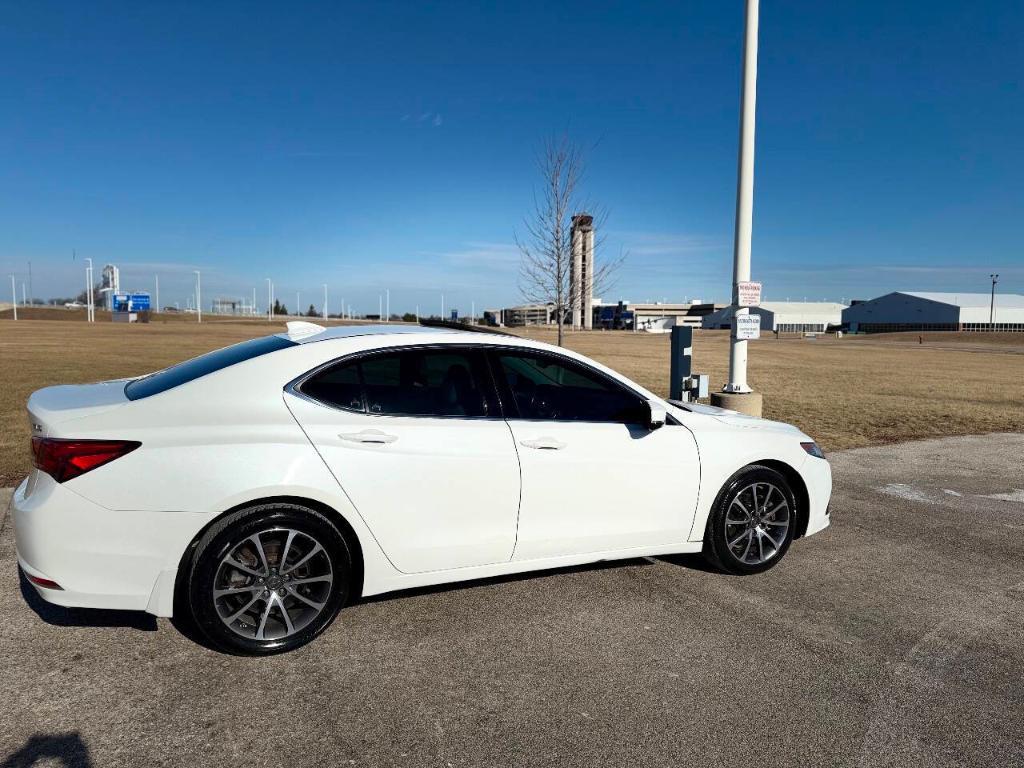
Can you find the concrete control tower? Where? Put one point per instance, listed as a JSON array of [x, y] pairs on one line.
[[581, 272]]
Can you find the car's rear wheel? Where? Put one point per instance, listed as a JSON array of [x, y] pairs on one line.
[[752, 523], [269, 578]]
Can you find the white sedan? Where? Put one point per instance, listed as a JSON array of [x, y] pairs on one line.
[[264, 486]]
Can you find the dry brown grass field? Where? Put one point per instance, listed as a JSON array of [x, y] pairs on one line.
[[845, 392]]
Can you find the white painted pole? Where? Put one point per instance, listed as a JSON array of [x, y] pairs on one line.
[[325, 301], [417, 313], [14, 297], [744, 200], [90, 309], [380, 308], [199, 298], [472, 313]]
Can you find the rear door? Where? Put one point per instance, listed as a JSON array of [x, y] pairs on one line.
[[416, 439], [595, 477]]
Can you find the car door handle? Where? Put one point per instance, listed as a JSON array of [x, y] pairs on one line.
[[544, 444], [374, 436]]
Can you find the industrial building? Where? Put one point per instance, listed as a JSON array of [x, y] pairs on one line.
[[581, 272], [624, 315], [922, 311], [785, 316], [653, 317], [526, 314], [109, 286], [228, 306]]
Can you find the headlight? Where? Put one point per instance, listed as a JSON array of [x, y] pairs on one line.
[[813, 449]]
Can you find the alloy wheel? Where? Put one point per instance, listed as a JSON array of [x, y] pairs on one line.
[[756, 523], [272, 584]]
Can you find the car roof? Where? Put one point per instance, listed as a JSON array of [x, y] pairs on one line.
[[304, 333]]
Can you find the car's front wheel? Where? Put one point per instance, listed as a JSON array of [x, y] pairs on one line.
[[752, 523], [269, 578]]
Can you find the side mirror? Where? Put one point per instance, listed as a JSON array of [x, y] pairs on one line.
[[657, 414]]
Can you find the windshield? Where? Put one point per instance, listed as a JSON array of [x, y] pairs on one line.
[[179, 374]]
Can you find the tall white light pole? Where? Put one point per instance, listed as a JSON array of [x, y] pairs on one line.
[[325, 301], [14, 297], [199, 298], [90, 307], [744, 211], [380, 308], [270, 300]]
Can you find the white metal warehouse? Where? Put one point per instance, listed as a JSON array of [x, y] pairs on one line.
[[921, 311], [785, 316]]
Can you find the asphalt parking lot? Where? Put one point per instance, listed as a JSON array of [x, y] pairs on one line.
[[894, 638]]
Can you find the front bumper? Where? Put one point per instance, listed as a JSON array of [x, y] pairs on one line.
[[817, 475], [101, 558]]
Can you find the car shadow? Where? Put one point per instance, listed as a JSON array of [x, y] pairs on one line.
[[691, 561], [63, 749], [456, 586], [60, 616]]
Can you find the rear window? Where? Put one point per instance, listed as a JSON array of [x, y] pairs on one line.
[[179, 374]]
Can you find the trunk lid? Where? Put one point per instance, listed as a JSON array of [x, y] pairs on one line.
[[50, 406]]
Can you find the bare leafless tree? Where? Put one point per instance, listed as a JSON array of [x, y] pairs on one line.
[[546, 245]]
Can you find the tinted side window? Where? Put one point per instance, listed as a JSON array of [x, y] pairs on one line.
[[412, 382], [190, 370], [547, 388], [339, 386]]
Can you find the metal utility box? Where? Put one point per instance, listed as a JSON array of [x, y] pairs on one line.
[[683, 385]]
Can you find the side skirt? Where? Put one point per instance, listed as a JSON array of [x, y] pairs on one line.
[[431, 578]]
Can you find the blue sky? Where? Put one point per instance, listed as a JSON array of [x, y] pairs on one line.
[[379, 145]]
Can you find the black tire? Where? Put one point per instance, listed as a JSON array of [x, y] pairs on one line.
[[287, 597], [721, 530]]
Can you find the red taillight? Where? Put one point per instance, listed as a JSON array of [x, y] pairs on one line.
[[65, 459]]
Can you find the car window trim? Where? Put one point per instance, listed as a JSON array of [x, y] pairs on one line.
[[491, 398]]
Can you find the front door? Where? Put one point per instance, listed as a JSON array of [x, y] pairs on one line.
[[595, 477], [417, 442]]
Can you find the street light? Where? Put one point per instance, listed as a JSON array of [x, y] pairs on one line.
[[90, 308], [270, 300], [199, 300], [14, 297], [737, 385], [992, 305]]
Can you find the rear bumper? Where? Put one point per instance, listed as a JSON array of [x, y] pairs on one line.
[[101, 558]]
